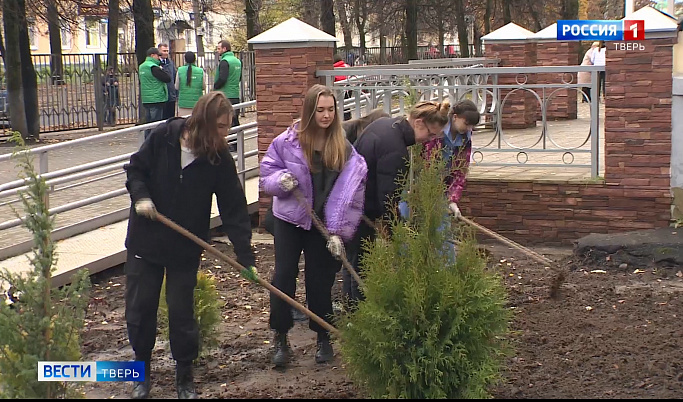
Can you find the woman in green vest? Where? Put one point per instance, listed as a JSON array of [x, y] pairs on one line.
[[189, 82]]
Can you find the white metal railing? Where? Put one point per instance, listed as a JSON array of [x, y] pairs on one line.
[[87, 173]]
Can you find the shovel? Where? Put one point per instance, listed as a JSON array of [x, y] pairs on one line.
[[211, 250], [322, 229]]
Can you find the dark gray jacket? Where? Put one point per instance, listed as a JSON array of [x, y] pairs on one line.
[[169, 67]]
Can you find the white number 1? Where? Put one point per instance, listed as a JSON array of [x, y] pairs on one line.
[[634, 28]]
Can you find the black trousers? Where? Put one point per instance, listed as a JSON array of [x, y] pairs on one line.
[[169, 109], [236, 115], [601, 83], [354, 253], [320, 270], [587, 92], [143, 286]]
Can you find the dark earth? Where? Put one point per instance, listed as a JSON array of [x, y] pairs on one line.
[[613, 332]]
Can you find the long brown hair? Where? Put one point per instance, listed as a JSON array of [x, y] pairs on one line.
[[354, 128], [203, 137], [334, 151]]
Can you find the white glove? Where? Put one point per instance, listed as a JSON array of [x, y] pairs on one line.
[[288, 182], [454, 209], [145, 207], [336, 246]]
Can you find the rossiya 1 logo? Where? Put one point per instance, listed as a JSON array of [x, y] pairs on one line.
[[607, 30]]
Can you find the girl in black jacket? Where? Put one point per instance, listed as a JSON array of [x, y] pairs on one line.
[[177, 170], [384, 145]]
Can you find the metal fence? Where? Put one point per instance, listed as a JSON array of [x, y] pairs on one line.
[[91, 193], [76, 100], [543, 146], [371, 56]]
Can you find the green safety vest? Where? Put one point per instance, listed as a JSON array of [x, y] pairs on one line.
[[151, 89], [231, 89], [189, 95]]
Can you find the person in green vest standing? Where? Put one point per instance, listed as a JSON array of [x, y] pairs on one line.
[[153, 89], [228, 77], [189, 83]]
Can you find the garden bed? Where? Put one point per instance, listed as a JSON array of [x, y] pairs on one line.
[[611, 334]]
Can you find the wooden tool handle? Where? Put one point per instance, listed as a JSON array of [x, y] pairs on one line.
[[323, 230], [212, 250]]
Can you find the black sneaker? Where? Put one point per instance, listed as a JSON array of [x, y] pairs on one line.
[[282, 350], [184, 381], [141, 388], [324, 353]]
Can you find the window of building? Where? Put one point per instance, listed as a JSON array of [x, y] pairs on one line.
[[66, 39], [32, 35], [189, 37], [92, 32]]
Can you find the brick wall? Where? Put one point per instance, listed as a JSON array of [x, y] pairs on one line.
[[520, 107], [560, 212], [562, 105], [636, 191], [282, 78]]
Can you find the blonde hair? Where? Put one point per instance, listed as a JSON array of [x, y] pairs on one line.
[[431, 112], [203, 137], [334, 150]]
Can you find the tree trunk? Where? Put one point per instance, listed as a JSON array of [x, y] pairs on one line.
[[411, 29], [538, 25], [507, 11], [29, 80], [15, 93], [113, 34], [382, 47], [309, 12], [570, 9], [360, 17], [442, 38], [56, 65], [143, 18], [461, 24], [345, 24], [327, 20], [2, 49], [251, 10], [198, 21]]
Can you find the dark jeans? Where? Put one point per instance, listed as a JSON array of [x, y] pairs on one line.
[[354, 253], [153, 112], [143, 286], [587, 92], [320, 269], [169, 110], [601, 84], [235, 122]]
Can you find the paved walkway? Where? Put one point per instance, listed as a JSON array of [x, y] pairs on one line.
[[572, 133], [66, 193]]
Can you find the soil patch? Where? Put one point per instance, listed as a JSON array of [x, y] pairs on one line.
[[611, 333]]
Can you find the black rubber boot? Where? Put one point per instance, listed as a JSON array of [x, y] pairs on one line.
[[184, 381], [141, 388], [282, 351], [324, 353]]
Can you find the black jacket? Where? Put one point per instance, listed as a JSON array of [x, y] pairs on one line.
[[184, 196], [384, 145]]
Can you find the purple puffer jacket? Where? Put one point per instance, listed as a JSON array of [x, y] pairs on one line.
[[344, 206]]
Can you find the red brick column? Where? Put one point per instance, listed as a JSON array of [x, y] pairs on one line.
[[521, 107], [283, 75], [638, 125], [562, 104]]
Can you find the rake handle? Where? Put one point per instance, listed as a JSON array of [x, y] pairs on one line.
[[530, 253], [323, 230], [163, 219]]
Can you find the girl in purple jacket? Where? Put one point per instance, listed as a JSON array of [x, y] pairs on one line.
[[313, 155]]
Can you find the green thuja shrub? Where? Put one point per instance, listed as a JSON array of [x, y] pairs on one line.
[[207, 311], [41, 323], [429, 327]]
